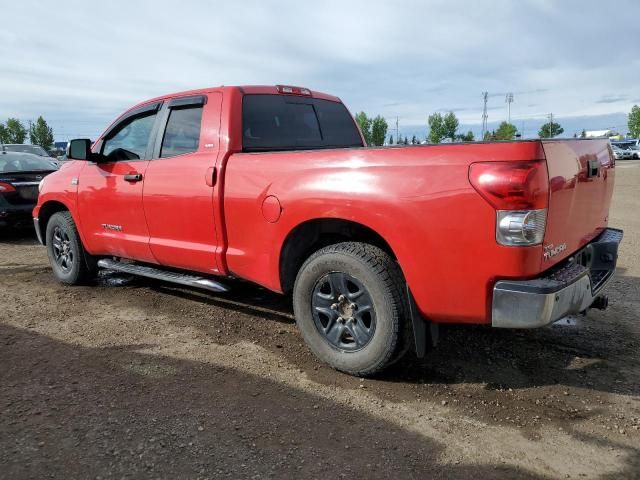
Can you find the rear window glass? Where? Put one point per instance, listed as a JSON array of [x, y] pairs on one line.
[[183, 132], [281, 122]]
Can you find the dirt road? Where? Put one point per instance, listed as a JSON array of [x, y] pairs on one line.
[[136, 379]]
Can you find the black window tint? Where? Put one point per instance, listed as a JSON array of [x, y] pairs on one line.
[[129, 140], [279, 122], [182, 134]]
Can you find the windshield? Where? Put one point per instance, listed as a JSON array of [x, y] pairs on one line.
[[35, 149], [23, 162]]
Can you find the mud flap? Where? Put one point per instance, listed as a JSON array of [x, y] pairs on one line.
[[420, 325]]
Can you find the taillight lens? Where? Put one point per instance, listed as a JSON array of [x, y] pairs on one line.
[[6, 188], [519, 191], [525, 227], [511, 185]]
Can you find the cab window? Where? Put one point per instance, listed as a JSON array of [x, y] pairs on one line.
[[182, 134], [129, 140]]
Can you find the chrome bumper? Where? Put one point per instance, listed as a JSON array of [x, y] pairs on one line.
[[567, 290]]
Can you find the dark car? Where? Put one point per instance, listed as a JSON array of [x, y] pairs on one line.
[[24, 148], [20, 175]]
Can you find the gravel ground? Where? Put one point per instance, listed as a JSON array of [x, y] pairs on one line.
[[136, 379]]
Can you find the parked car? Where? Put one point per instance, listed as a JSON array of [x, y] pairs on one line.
[[24, 148], [621, 153], [275, 185], [635, 152], [20, 175]]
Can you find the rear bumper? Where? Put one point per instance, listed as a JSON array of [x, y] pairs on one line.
[[14, 214], [566, 290]]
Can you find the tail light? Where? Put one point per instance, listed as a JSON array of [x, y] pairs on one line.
[[519, 192], [6, 188]]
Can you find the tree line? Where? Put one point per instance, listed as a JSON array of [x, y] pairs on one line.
[[445, 128], [14, 131]]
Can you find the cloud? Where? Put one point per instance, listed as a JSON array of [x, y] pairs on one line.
[[612, 99], [406, 59]]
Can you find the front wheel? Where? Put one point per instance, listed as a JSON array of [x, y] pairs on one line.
[[70, 262], [350, 307]]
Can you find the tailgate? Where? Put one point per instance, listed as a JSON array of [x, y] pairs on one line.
[[581, 178]]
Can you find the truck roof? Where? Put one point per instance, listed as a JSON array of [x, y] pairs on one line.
[[244, 89]]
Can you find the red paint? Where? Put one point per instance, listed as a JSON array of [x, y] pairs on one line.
[[419, 199]]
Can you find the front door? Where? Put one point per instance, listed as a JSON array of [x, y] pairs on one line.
[[110, 191]]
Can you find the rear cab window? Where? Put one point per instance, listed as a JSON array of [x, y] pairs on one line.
[[182, 134], [290, 122]]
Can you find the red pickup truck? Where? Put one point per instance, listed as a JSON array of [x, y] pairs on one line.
[[275, 185]]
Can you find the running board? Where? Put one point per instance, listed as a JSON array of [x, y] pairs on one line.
[[164, 275]]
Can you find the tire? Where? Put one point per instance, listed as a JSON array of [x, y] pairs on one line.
[[70, 262], [363, 331]]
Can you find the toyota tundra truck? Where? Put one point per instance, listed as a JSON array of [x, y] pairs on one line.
[[378, 246]]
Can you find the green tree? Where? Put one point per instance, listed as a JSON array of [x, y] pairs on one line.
[[14, 131], [634, 121], [378, 130], [414, 140], [466, 137], [41, 134], [442, 127], [364, 123], [505, 131], [550, 130], [391, 140], [3, 133], [583, 134], [450, 125], [436, 128]]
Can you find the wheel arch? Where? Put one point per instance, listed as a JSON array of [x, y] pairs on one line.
[[47, 210], [312, 235]]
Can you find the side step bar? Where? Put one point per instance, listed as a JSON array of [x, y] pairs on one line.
[[164, 275]]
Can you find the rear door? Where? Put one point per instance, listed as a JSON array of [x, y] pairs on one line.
[[179, 183], [110, 191], [581, 178]]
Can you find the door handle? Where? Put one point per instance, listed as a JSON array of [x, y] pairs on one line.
[[133, 177]]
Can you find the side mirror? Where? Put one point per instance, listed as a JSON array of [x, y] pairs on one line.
[[79, 149]]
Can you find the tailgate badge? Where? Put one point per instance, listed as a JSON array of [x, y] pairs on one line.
[[552, 250]]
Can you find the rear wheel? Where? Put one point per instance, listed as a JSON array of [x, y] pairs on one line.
[[350, 307], [71, 264]]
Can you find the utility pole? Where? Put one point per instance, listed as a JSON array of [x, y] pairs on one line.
[[509, 100], [397, 130], [485, 96], [29, 130], [550, 124]]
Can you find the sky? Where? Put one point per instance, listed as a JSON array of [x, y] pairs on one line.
[[80, 64]]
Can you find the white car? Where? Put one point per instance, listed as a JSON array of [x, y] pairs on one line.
[[635, 152], [621, 153]]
